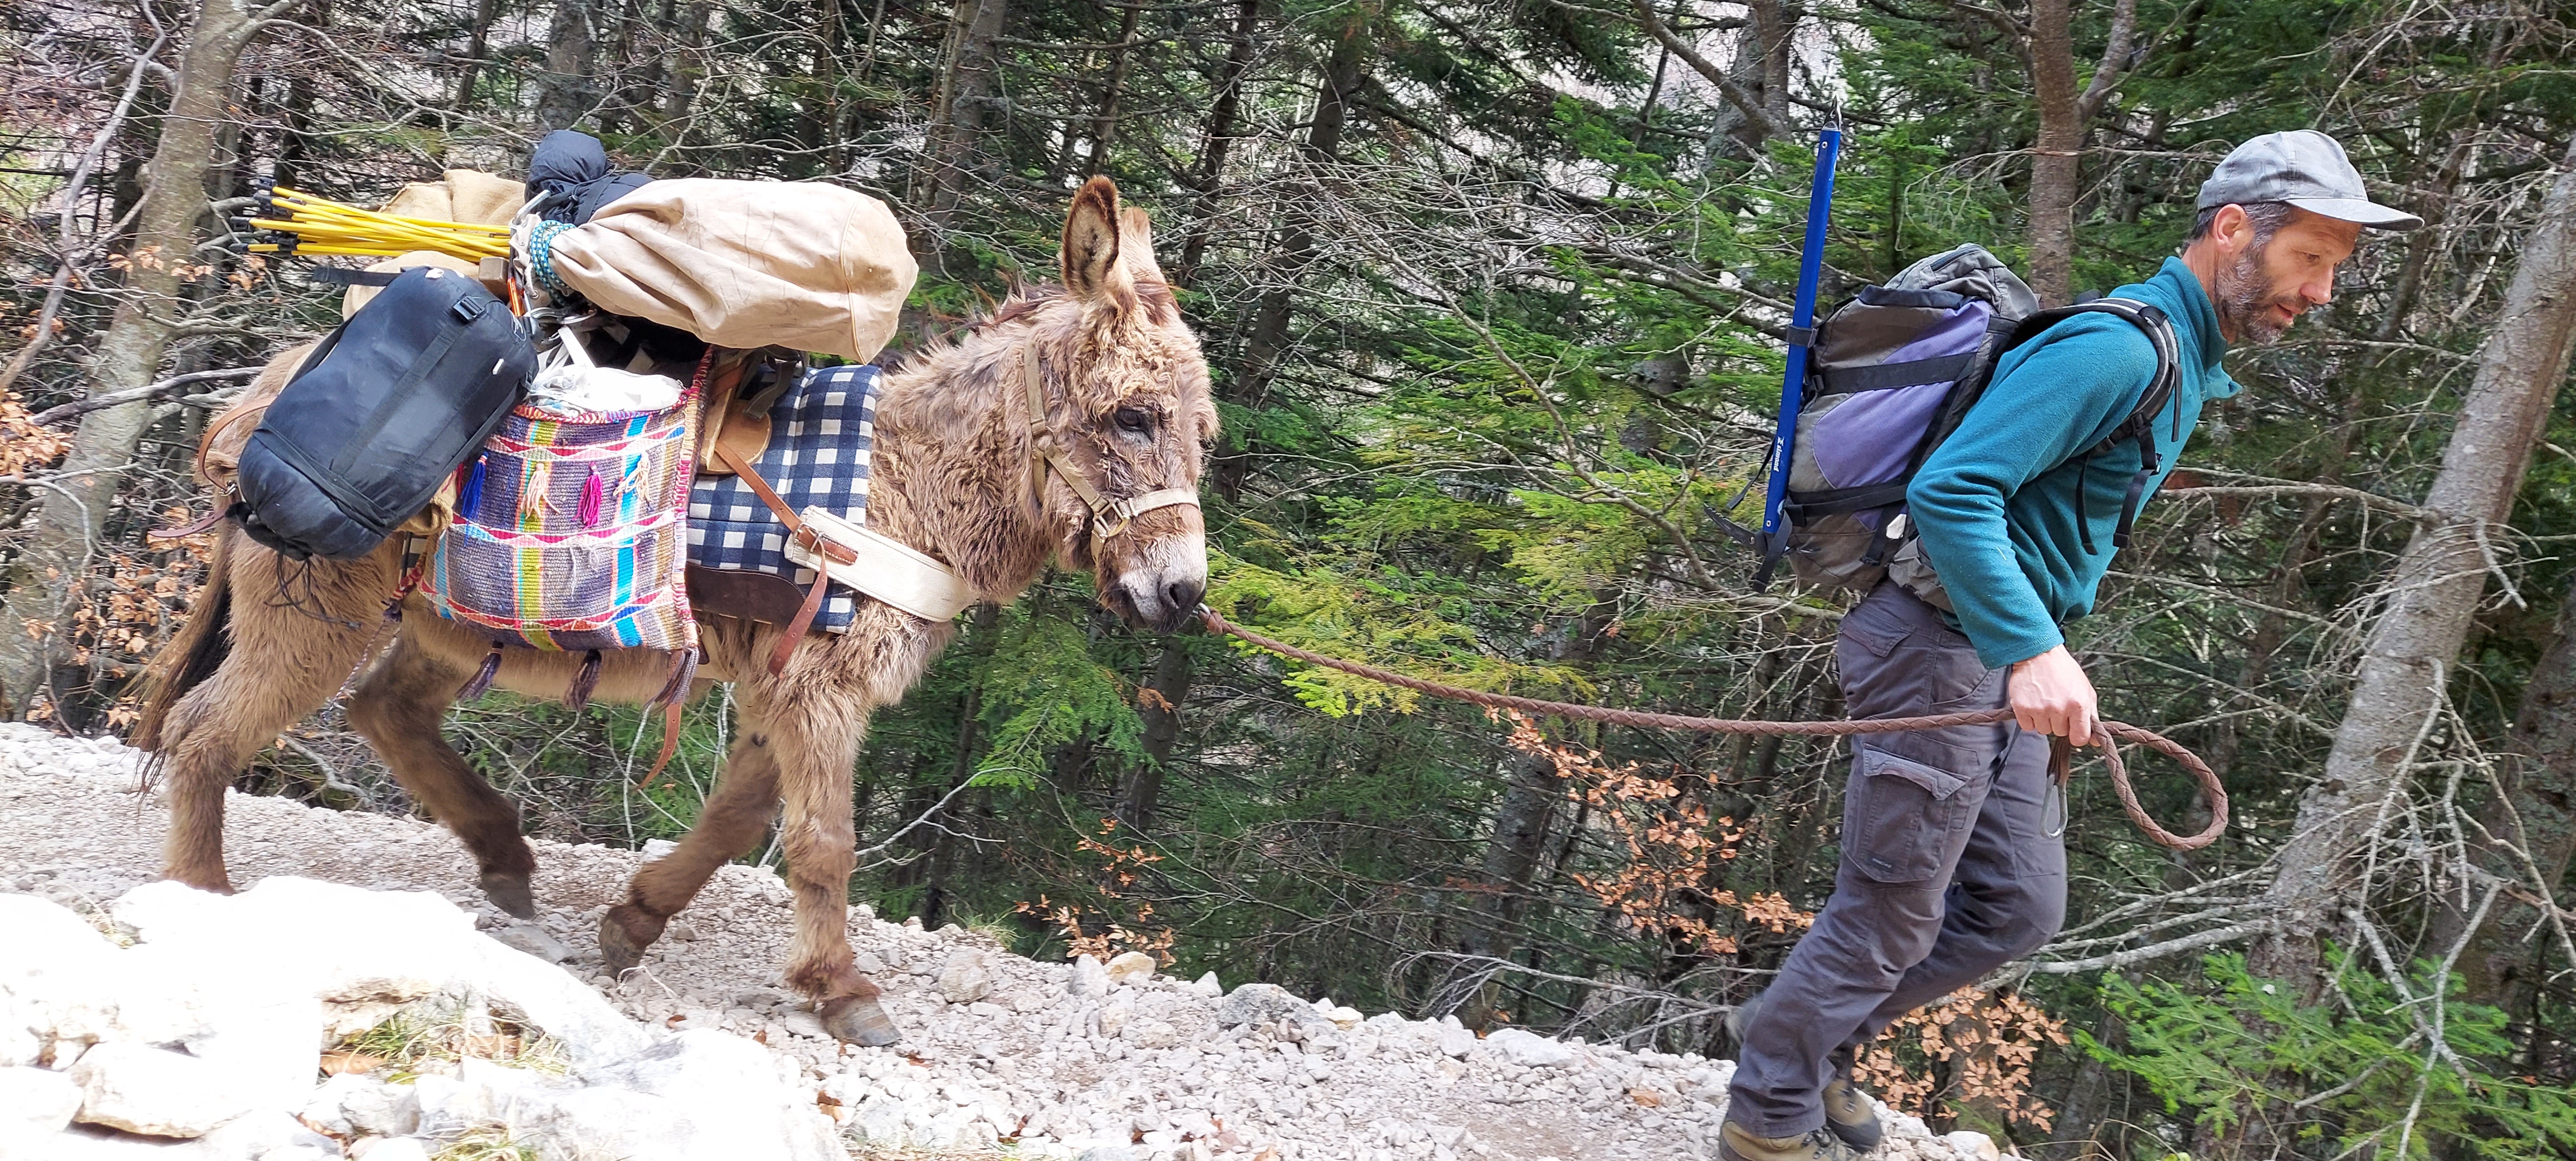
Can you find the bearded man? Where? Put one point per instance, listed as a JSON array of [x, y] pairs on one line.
[[1951, 862]]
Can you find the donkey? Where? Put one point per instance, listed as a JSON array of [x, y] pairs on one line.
[[1127, 406]]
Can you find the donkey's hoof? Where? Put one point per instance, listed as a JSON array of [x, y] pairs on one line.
[[860, 1020], [624, 933], [508, 891]]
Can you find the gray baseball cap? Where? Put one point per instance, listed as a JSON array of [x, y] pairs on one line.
[[2306, 169]]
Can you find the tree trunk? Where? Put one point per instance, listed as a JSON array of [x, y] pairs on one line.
[[568, 90], [477, 42], [825, 112], [1265, 345], [1216, 142], [966, 102], [686, 65], [1772, 35], [1162, 714], [1522, 820], [2533, 816], [2438, 585], [2064, 113], [1104, 126], [72, 516], [930, 868], [2053, 159]]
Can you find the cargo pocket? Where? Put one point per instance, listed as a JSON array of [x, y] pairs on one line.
[[1901, 817]]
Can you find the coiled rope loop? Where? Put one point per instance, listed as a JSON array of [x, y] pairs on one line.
[[2189, 761]]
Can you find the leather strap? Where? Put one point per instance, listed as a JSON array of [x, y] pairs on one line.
[[743, 594], [675, 699], [222, 509], [216, 430], [1108, 517], [880, 566], [794, 634], [759, 487]]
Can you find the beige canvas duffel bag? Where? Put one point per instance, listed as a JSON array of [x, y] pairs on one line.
[[746, 264]]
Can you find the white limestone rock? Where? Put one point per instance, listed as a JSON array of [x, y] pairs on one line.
[[728, 1100], [391, 1149], [1089, 978], [534, 940], [156, 1092], [1130, 967], [1529, 1049], [964, 977], [354, 1104], [267, 1135], [53, 968], [35, 1101], [1267, 1003], [1973, 1146], [361, 953]]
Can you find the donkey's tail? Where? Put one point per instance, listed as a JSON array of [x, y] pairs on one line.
[[193, 655]]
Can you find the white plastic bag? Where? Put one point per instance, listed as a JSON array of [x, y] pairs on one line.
[[567, 381]]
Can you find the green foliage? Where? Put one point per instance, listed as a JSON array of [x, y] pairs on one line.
[[2376, 1070], [1043, 676]]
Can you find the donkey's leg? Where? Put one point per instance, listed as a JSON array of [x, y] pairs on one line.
[[731, 823], [287, 658], [815, 731], [400, 706]]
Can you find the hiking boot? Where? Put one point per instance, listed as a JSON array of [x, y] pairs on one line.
[[1847, 1111], [1849, 1115], [1737, 1143]]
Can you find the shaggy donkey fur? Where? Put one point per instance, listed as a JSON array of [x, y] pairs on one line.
[[1127, 392]]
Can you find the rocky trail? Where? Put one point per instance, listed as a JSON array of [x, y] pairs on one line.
[[150, 1019]]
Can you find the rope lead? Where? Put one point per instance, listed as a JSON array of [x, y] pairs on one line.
[[2191, 762]]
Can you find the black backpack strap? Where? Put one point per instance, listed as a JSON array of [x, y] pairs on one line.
[[2141, 422]]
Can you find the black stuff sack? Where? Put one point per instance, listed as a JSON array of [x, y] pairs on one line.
[[380, 414]]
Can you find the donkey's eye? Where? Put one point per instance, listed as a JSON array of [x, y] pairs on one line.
[[1135, 419]]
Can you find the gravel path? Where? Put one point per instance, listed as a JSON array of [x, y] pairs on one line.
[[1134, 1072]]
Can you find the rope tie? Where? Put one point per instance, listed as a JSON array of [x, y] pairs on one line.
[[2190, 762], [541, 257]]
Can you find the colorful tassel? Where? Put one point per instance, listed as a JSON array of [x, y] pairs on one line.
[[481, 682], [593, 490], [532, 495], [470, 497], [584, 683]]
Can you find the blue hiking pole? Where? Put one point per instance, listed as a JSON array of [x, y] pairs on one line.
[[1802, 333]]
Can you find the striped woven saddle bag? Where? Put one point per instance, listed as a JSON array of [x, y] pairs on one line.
[[571, 534]]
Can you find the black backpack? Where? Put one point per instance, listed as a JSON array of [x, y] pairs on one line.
[[378, 416]]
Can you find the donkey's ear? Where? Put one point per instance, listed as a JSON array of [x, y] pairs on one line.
[[1136, 246], [1090, 259]]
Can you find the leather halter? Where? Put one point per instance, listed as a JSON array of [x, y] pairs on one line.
[[1045, 451]]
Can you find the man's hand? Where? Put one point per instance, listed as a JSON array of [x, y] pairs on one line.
[[2051, 695]]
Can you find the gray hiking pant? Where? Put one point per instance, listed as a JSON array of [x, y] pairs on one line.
[[1948, 870]]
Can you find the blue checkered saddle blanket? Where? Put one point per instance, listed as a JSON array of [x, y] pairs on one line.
[[820, 433]]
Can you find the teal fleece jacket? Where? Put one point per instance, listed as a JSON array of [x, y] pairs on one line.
[[1996, 503]]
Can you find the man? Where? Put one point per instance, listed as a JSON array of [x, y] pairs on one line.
[[1950, 864]]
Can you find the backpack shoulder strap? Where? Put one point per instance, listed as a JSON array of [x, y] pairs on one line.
[[2160, 334], [2141, 421]]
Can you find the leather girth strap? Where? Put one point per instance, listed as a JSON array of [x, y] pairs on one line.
[[794, 631]]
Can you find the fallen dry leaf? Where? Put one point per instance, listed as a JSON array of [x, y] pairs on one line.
[[340, 1060]]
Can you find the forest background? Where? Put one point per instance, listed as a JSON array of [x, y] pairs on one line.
[[1494, 293]]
